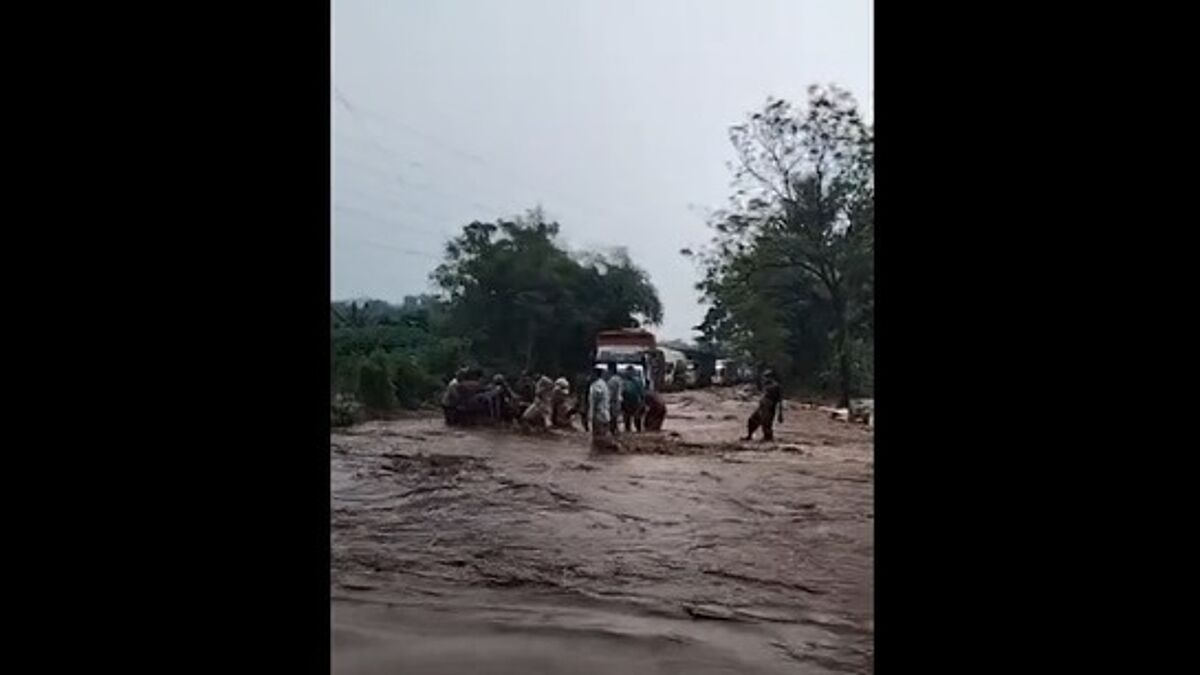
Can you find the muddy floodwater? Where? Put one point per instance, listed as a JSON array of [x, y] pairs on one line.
[[485, 551]]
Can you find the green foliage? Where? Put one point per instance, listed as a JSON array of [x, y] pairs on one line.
[[443, 356], [411, 383], [345, 373], [511, 298], [529, 304], [789, 274], [374, 383]]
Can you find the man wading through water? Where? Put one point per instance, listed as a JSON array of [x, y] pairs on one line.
[[599, 411], [537, 415], [632, 400], [768, 405], [616, 384]]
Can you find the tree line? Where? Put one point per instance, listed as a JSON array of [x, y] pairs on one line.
[[511, 298]]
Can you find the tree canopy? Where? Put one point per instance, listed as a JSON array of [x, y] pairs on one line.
[[789, 273], [527, 303], [510, 297]]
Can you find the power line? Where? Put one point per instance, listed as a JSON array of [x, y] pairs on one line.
[[360, 111], [353, 210], [507, 172], [395, 202], [393, 178], [398, 249], [398, 204]]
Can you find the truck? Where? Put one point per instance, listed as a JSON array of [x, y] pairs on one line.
[[632, 347]]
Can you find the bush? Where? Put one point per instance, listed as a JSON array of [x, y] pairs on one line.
[[345, 373], [445, 356], [862, 370], [863, 360], [344, 410], [411, 383], [374, 385]]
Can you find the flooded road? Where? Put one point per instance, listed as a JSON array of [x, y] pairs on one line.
[[483, 551]]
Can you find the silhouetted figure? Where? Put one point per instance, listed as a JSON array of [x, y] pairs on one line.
[[656, 411], [770, 404]]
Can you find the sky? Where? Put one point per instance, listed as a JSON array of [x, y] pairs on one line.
[[612, 115]]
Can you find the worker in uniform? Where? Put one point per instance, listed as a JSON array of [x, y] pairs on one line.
[[770, 404]]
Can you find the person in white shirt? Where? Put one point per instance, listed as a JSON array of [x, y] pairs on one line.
[[599, 410]]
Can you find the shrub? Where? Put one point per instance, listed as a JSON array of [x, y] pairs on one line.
[[345, 373], [374, 385], [344, 410], [411, 384]]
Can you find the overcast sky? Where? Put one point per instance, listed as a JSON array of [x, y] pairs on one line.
[[611, 114]]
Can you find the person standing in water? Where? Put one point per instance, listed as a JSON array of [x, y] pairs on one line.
[[616, 384], [560, 406], [599, 410], [770, 403], [656, 412], [537, 415], [632, 400]]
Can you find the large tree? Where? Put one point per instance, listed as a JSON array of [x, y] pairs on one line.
[[526, 302], [790, 273]]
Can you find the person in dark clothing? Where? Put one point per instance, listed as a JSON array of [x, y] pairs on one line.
[[632, 400], [500, 399], [656, 411], [525, 386], [770, 404], [580, 406]]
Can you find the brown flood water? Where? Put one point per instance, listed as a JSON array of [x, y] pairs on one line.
[[485, 551]]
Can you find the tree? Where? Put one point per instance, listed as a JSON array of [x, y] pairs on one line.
[[790, 274], [529, 304]]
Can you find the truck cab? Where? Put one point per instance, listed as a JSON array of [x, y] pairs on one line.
[[631, 347]]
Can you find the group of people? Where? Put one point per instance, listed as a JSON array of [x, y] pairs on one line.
[[617, 395], [614, 397], [535, 402]]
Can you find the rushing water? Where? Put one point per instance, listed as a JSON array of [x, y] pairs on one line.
[[690, 553]]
